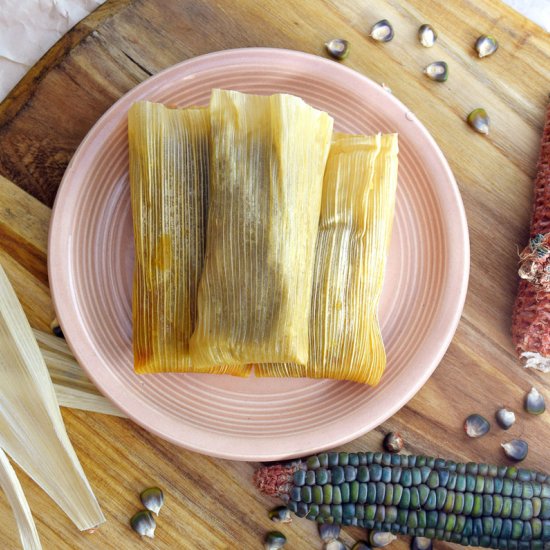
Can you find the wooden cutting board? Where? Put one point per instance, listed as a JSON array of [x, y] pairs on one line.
[[211, 503]]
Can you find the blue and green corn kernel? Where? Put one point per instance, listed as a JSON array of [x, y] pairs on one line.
[[472, 504]]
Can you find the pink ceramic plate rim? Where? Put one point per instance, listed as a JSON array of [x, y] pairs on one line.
[[75, 331]]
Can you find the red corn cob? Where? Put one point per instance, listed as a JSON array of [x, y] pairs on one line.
[[531, 316]]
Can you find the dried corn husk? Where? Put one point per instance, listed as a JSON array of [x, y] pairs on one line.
[[268, 158], [31, 427], [72, 387], [14, 493], [169, 165], [352, 245]]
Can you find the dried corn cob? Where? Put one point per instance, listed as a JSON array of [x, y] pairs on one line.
[[531, 317], [470, 504]]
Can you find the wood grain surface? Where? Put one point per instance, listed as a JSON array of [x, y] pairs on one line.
[[211, 503]]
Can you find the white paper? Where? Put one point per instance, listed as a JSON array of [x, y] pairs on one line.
[[28, 28], [536, 10]]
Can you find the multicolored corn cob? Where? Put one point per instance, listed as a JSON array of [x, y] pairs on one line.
[[470, 504], [531, 317]]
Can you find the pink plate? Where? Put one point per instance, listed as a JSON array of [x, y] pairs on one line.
[[91, 259]]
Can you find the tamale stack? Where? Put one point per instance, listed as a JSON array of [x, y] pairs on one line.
[[261, 239]]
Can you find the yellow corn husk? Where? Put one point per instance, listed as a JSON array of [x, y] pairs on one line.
[[72, 387], [354, 234], [18, 502], [268, 159], [31, 427], [169, 167]]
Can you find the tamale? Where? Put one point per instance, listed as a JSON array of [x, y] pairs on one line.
[[268, 156], [169, 167], [352, 245]]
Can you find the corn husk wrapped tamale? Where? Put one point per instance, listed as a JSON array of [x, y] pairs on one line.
[[354, 234], [268, 159], [169, 167]]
